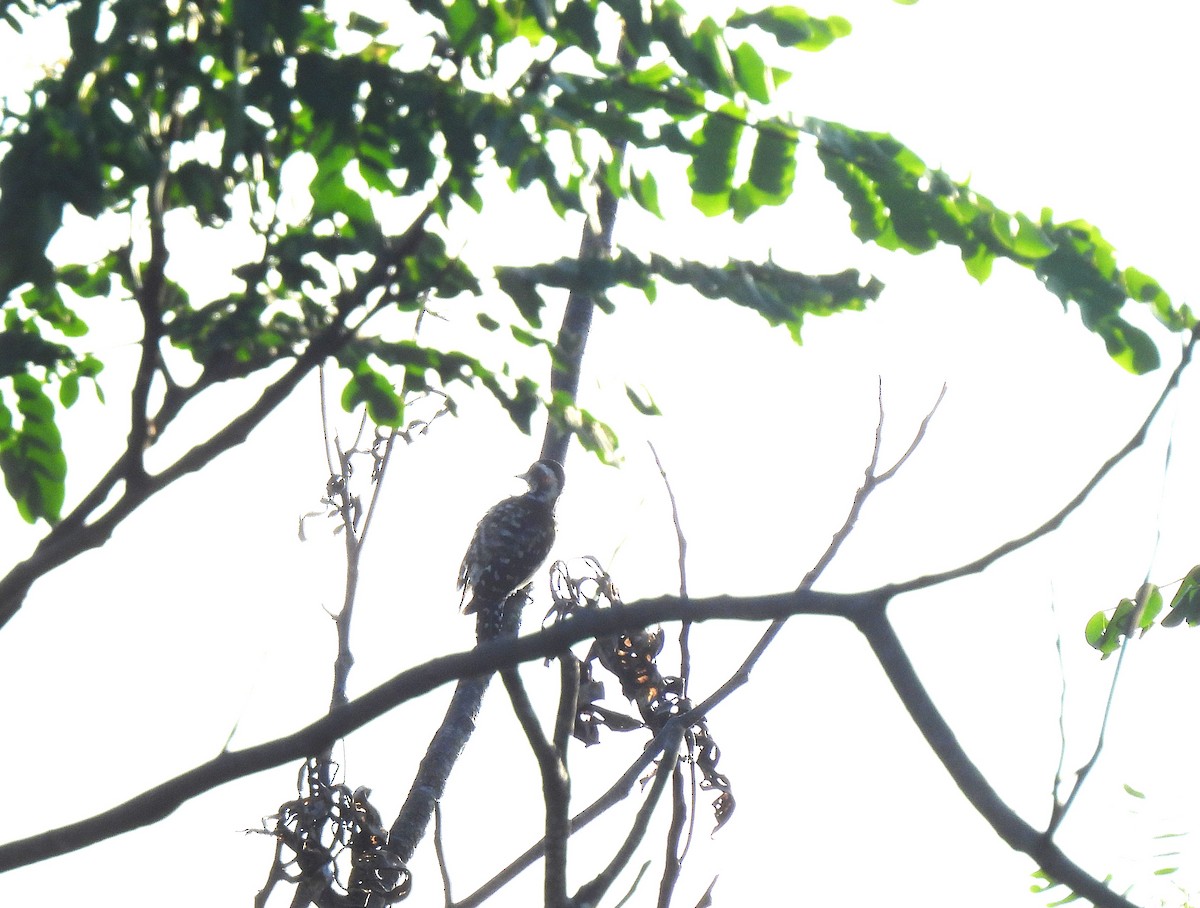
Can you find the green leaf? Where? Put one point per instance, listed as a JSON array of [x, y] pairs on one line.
[[716, 68], [645, 192], [772, 173], [1185, 606], [31, 456], [20, 349], [899, 203], [578, 22], [1095, 629], [527, 338], [329, 86], [360, 23], [751, 73], [1133, 792], [1027, 240], [366, 386], [642, 401], [710, 174], [523, 292], [793, 27], [68, 390], [1153, 605]]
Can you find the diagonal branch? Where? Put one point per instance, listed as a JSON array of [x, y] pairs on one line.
[[1135, 442], [1015, 832], [592, 891], [472, 667], [75, 534]]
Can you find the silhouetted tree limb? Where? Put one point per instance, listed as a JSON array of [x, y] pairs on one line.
[[84, 529], [577, 322], [474, 664], [1135, 442], [592, 891], [1015, 832], [865, 610], [555, 789]]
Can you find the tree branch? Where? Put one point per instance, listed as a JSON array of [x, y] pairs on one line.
[[473, 666], [556, 788], [444, 748], [75, 535], [1015, 832], [1138, 439], [577, 322], [591, 893]]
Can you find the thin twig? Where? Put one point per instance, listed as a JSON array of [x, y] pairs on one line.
[[1062, 711], [568, 704], [1136, 441], [672, 861], [633, 886], [378, 486], [871, 482], [616, 793], [324, 418], [685, 653], [591, 892], [440, 851], [1059, 811]]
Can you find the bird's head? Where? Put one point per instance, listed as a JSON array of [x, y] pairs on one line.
[[546, 479]]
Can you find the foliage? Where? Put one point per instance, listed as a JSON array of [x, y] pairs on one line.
[[1104, 631], [205, 111]]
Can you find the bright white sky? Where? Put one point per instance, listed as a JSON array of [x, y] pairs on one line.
[[135, 662]]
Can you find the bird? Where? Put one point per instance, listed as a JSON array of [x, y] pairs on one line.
[[511, 541]]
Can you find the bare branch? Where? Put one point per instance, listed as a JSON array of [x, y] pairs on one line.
[[672, 861], [429, 784], [891, 471], [685, 652], [577, 321], [591, 892], [864, 609], [75, 534], [617, 792], [1138, 439], [568, 704], [634, 885], [440, 851], [1018, 834], [1059, 812], [555, 789], [871, 481]]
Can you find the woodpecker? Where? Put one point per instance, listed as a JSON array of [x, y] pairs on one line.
[[512, 540]]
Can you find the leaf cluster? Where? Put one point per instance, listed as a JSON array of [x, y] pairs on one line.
[[1104, 630], [205, 112]]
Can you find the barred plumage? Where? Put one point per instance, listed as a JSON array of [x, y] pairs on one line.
[[512, 540]]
